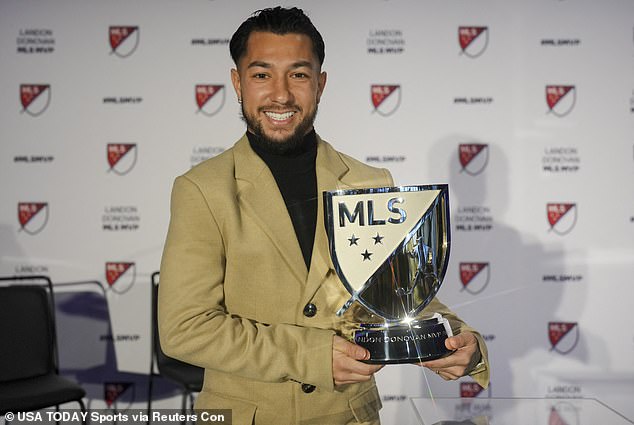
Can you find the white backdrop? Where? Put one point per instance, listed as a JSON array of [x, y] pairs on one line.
[[526, 108]]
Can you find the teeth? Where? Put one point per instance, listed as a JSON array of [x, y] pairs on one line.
[[279, 117]]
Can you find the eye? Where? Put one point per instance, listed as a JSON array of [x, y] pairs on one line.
[[300, 75], [260, 75]]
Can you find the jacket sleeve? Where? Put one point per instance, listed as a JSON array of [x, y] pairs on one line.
[[194, 325], [480, 373]]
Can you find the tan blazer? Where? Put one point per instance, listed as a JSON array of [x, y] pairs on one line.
[[234, 286]]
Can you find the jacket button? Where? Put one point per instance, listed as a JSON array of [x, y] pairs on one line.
[[310, 310], [307, 388]]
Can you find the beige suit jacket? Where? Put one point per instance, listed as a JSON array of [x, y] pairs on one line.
[[234, 286]]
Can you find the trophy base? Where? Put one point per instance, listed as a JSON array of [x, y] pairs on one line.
[[413, 342]]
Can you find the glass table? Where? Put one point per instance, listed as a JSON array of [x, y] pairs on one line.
[[515, 411]]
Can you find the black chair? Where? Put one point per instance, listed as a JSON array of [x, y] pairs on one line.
[[185, 375], [29, 370]]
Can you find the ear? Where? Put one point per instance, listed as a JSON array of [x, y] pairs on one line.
[[321, 84], [235, 80]]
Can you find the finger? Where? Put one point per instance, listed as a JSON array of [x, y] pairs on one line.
[[450, 372], [349, 349], [443, 363], [455, 342], [348, 370], [364, 369], [459, 341], [439, 362], [352, 371], [448, 376], [457, 359], [358, 368]]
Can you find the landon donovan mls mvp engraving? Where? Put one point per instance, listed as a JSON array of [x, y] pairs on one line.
[[390, 248]]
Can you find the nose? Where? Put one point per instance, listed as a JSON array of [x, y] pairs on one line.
[[281, 91]]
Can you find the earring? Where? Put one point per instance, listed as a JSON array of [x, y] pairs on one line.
[[240, 100]]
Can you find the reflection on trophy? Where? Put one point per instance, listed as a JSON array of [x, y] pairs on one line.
[[390, 248]]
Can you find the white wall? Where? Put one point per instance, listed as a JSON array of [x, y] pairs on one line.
[[576, 155]]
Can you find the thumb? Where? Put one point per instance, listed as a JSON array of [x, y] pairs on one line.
[[351, 350], [357, 352], [454, 342], [458, 341]]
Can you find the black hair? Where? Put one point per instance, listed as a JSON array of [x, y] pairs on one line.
[[277, 20]]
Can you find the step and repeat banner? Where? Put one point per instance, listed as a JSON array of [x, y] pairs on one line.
[[525, 108]]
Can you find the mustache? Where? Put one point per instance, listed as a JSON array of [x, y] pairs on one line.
[[280, 108]]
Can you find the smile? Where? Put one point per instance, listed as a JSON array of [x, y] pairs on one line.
[[276, 116]]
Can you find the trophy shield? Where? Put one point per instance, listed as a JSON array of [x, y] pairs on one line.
[[390, 249]]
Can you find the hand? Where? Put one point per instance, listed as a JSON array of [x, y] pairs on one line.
[[464, 358], [346, 367]]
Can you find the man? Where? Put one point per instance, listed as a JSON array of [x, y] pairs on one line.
[[248, 290]]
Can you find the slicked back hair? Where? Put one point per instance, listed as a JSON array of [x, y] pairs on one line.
[[280, 21]]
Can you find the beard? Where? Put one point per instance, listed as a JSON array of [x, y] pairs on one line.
[[283, 146]]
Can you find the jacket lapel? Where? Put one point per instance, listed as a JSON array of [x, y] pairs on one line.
[[261, 199], [330, 172]]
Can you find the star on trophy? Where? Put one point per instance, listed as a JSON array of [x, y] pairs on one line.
[[390, 249]]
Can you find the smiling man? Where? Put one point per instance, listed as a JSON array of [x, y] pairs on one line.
[[248, 290], [279, 83]]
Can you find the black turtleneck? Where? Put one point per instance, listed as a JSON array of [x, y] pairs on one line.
[[296, 178]]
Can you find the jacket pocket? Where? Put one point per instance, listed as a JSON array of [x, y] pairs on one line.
[[366, 405], [242, 411]]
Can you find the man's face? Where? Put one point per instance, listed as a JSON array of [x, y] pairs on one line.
[[280, 83]]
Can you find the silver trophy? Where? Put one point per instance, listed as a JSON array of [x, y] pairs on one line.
[[390, 248]]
